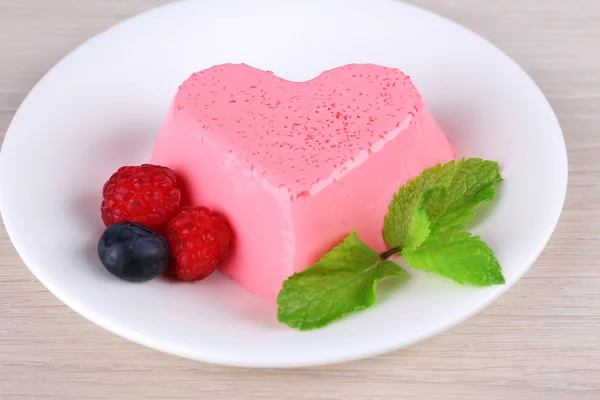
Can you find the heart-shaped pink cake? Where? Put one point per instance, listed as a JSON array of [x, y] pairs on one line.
[[297, 165]]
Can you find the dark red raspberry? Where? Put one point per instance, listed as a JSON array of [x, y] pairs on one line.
[[199, 239], [144, 194]]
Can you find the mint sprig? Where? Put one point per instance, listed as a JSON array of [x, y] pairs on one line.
[[425, 223]]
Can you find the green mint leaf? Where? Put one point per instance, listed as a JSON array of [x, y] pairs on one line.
[[466, 184], [420, 225], [433, 201], [459, 256], [419, 229], [342, 282]]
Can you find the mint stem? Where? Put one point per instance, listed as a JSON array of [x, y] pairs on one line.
[[388, 253]]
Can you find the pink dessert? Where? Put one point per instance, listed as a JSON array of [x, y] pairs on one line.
[[297, 165]]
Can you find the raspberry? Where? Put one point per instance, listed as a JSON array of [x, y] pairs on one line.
[[199, 239], [144, 194]]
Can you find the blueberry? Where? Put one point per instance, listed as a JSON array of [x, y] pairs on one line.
[[133, 252]]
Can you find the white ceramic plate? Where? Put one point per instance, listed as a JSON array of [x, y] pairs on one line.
[[102, 106]]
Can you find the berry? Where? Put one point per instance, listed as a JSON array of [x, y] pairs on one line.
[[199, 239], [144, 194], [133, 252]]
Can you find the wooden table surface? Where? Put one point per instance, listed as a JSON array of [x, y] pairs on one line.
[[541, 340]]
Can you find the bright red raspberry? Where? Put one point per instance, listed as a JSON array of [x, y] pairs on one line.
[[199, 239], [144, 194]]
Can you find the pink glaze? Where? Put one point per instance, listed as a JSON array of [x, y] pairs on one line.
[[297, 165]]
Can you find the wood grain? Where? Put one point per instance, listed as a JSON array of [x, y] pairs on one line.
[[539, 341]]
